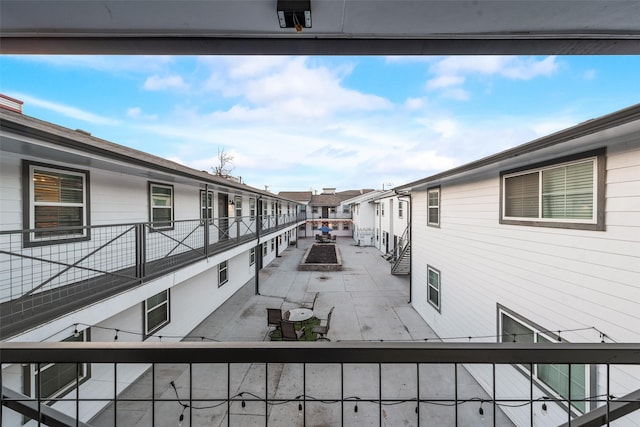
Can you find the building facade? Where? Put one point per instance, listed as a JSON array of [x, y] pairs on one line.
[[100, 242], [537, 244]]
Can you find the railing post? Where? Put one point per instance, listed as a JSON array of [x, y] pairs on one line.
[[140, 251]]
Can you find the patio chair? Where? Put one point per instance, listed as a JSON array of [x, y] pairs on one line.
[[323, 330], [274, 316], [289, 332]]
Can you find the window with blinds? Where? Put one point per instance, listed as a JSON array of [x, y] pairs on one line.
[[156, 311], [161, 206], [433, 207], [554, 376], [556, 194], [58, 204]]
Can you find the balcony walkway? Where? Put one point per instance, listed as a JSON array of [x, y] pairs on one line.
[[370, 305]]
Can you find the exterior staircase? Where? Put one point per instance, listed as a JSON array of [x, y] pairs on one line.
[[402, 264]]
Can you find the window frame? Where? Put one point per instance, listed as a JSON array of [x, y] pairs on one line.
[[33, 370], [252, 208], [549, 337], [596, 223], [29, 205], [437, 207], [438, 290], [152, 207], [208, 208], [400, 209], [252, 256], [146, 310], [223, 273]]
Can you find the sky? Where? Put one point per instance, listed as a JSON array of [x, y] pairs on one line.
[[305, 123]]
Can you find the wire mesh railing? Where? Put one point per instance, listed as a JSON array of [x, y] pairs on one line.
[[198, 384], [56, 273]]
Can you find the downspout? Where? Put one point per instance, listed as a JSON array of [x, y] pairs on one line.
[[258, 252], [410, 225]]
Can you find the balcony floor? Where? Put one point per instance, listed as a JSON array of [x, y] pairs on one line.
[[370, 304]]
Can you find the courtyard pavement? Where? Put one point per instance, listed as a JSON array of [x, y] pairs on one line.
[[370, 304]]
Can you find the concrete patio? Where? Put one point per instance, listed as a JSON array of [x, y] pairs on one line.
[[370, 304]]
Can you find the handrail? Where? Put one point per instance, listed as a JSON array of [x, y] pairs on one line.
[[323, 352]]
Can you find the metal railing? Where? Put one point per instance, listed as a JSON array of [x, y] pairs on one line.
[[39, 282], [265, 383]]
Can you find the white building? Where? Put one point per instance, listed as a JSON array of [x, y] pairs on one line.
[[539, 243], [100, 242]]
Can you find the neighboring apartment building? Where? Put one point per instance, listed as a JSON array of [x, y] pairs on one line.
[[539, 243], [325, 209], [100, 242], [363, 217]]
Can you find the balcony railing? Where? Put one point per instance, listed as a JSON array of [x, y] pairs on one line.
[[41, 281], [265, 383]]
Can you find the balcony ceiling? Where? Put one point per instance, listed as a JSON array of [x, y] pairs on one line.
[[339, 27]]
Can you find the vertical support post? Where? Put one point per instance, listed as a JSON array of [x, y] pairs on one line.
[[304, 395], [495, 406], [258, 251], [341, 393], [153, 394], [115, 394], [77, 394], [455, 388], [608, 395], [531, 393], [140, 251], [228, 394], [380, 394], [569, 396], [418, 394], [207, 219]]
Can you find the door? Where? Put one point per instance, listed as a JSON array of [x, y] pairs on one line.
[[223, 216], [325, 212]]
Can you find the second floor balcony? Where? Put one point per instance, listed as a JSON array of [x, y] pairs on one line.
[[61, 272]]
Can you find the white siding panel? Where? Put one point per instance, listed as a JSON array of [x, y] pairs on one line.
[[577, 281]]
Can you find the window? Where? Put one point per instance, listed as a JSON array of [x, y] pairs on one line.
[[314, 209], [382, 209], [237, 203], [514, 328], [346, 209], [273, 244], [161, 205], [252, 208], [223, 274], [265, 209], [433, 207], [57, 379], [400, 210], [156, 312], [433, 288], [566, 193], [377, 209], [206, 205], [57, 198], [264, 249], [334, 226], [345, 226], [252, 256]]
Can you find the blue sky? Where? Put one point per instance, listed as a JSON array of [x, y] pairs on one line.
[[300, 123]]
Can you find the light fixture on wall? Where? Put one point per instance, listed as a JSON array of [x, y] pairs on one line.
[[294, 14]]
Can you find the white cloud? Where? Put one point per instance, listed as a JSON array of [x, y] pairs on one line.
[[136, 113], [590, 74], [285, 89], [156, 83], [65, 110], [414, 103], [445, 81], [451, 73]]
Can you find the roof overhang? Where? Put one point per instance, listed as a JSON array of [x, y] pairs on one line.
[[339, 27]]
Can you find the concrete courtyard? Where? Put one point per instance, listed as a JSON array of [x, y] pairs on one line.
[[370, 305]]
